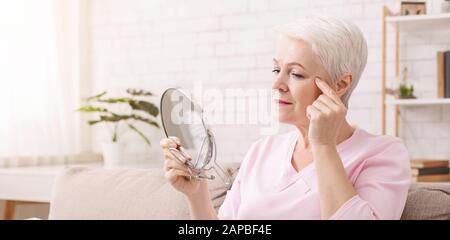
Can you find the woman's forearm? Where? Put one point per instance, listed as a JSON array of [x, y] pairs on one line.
[[200, 204], [334, 187]]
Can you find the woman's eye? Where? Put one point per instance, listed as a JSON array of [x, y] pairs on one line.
[[297, 75], [276, 71]]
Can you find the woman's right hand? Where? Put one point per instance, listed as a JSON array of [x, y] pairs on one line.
[[196, 190], [177, 173]]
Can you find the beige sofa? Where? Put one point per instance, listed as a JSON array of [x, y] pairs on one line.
[[82, 193]]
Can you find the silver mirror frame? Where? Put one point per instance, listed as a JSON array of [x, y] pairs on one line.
[[208, 164]]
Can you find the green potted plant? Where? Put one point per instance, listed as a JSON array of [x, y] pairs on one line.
[[138, 109], [405, 89]]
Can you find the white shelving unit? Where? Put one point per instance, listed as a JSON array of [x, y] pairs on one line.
[[406, 23], [420, 22], [418, 102]]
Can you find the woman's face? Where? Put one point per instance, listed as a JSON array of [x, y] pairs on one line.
[[295, 67]]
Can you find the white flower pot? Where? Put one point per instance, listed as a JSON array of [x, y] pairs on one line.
[[113, 154]]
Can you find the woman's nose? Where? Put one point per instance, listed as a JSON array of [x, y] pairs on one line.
[[280, 83]]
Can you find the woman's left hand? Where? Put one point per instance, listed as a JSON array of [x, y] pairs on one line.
[[326, 116]]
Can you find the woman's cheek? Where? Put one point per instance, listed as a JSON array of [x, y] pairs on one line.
[[305, 91]]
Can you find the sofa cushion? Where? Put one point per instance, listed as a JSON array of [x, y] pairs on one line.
[[427, 201], [84, 193]]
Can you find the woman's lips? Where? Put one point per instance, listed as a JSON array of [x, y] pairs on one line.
[[282, 102]]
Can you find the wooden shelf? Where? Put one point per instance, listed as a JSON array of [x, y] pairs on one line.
[[420, 22], [418, 102]]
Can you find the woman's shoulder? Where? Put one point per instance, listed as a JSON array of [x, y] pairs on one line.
[[380, 147], [379, 141], [382, 158]]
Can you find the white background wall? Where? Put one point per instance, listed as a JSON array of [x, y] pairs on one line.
[[155, 44]]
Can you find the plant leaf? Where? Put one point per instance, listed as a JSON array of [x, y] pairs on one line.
[[145, 106], [136, 92], [115, 100], [114, 118], [145, 120], [89, 108], [93, 122], [139, 133], [96, 97]]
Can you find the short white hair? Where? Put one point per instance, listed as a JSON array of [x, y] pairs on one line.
[[339, 44]]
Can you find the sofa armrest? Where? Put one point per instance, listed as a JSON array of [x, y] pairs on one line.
[[427, 201]]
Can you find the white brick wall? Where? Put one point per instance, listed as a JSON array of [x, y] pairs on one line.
[[154, 44]]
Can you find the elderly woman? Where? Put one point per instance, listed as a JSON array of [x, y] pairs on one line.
[[327, 168]]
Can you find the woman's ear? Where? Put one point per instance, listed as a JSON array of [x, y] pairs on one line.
[[344, 84]]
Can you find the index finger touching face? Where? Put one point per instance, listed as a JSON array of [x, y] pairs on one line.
[[327, 90]]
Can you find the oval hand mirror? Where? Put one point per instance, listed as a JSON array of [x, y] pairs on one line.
[[183, 118]]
